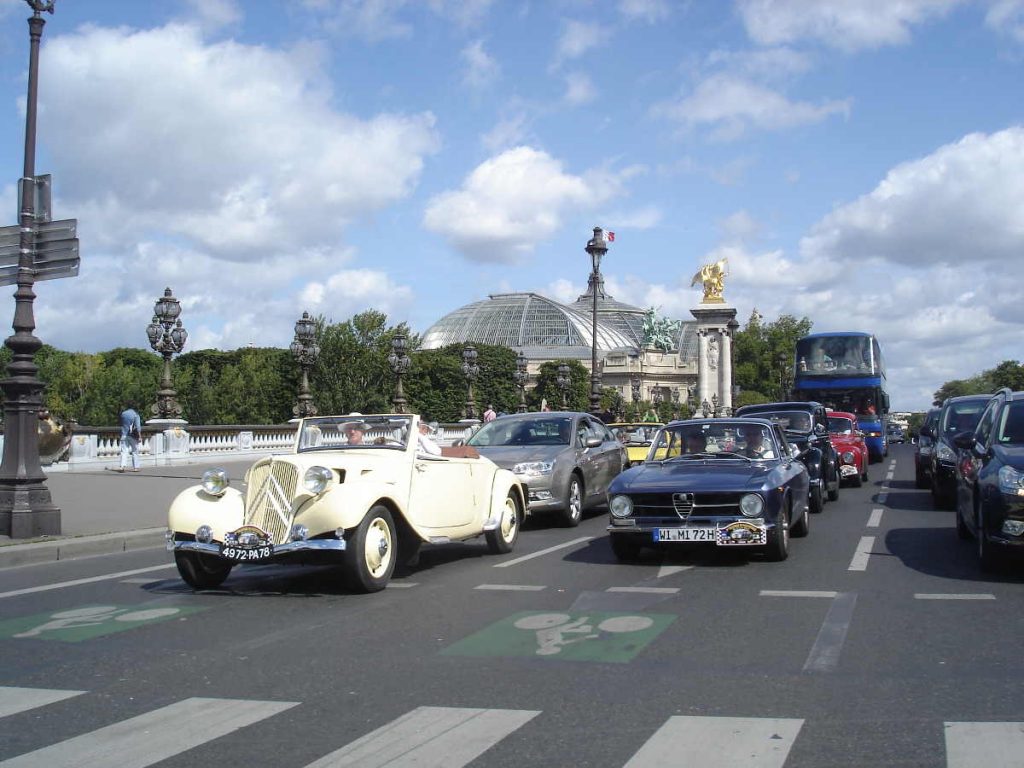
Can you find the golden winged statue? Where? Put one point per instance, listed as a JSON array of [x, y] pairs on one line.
[[713, 278]]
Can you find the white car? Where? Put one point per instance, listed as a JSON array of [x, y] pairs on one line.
[[354, 490]]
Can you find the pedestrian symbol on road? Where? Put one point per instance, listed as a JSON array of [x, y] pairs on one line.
[[589, 636], [78, 624]]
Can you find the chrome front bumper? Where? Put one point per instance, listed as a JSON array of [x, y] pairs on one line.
[[292, 547]]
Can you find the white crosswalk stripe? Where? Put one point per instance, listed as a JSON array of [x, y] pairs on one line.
[[719, 742], [14, 700], [445, 737], [152, 737], [453, 737]]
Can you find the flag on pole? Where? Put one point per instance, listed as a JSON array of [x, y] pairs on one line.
[[611, 237]]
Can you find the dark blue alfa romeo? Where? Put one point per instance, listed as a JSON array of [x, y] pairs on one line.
[[731, 483]]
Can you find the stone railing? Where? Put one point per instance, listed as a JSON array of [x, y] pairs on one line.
[[99, 447]]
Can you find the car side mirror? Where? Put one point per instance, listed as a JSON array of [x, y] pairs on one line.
[[927, 431], [819, 429], [592, 442], [964, 440], [794, 452]]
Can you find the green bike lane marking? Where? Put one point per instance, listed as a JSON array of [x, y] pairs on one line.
[[567, 635], [86, 623]]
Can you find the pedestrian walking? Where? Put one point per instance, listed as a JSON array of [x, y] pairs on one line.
[[489, 414], [131, 435]]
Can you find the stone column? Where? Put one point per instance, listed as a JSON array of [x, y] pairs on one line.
[[725, 364], [703, 374]]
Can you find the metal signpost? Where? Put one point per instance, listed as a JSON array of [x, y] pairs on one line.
[[36, 249]]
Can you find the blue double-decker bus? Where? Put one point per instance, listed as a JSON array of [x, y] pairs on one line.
[[845, 371]]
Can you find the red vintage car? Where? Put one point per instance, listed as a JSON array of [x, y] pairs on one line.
[[848, 440]]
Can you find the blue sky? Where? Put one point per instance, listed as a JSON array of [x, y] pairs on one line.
[[860, 162]]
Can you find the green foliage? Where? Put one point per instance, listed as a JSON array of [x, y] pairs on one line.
[[437, 389], [1008, 373], [577, 395], [764, 355]]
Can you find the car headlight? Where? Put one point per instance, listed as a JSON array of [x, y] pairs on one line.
[[621, 506], [533, 468], [752, 505], [944, 453], [215, 482], [316, 479], [847, 457], [1011, 481]]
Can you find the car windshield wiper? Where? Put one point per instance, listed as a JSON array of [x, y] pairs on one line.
[[687, 456], [731, 455]]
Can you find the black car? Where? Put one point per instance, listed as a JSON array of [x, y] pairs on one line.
[[727, 482], [923, 450], [958, 414], [990, 479], [806, 426]]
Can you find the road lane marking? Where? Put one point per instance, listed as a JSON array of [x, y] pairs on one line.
[[14, 700], [511, 587], [824, 655], [993, 745], [77, 582], [797, 593], [711, 742], [860, 557], [402, 584], [430, 737], [890, 474], [139, 581], [668, 570], [939, 596], [646, 590], [875, 519], [543, 552], [155, 736]]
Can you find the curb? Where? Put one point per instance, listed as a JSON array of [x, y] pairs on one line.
[[79, 546]]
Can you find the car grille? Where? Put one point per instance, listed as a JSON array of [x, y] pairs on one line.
[[676, 506], [268, 498]]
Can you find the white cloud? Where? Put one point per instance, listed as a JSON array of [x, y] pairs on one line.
[[730, 106], [650, 11], [839, 23], [508, 132], [965, 200], [579, 89], [481, 68], [513, 201], [579, 37], [1007, 17], [213, 15]]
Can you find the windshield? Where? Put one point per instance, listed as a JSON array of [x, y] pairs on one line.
[[963, 416], [828, 354], [792, 421], [1011, 425], [840, 426], [347, 432], [721, 439], [552, 430], [635, 434]]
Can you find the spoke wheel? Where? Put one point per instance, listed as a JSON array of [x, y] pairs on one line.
[[573, 502], [370, 556], [503, 538], [202, 571]]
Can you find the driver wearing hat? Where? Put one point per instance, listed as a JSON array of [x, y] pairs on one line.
[[425, 442]]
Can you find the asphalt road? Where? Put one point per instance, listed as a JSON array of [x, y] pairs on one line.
[[877, 643]]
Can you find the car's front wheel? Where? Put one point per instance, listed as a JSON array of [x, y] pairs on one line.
[[777, 548], [201, 571], [802, 528], [370, 556], [817, 503], [573, 512], [503, 538]]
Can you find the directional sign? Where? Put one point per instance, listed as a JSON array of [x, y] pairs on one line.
[[56, 251]]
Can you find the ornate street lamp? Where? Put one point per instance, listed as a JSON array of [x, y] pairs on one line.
[[305, 350], [471, 370], [564, 381], [521, 377], [168, 337], [657, 395], [399, 362], [597, 247], [26, 508], [634, 385]]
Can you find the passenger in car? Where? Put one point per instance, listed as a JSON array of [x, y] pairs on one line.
[[757, 448]]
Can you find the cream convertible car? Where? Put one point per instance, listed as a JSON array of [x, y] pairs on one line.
[[354, 491]]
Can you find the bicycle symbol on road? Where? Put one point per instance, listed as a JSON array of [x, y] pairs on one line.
[[557, 630], [77, 624]]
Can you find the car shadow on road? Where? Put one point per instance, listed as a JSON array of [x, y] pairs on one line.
[[939, 552]]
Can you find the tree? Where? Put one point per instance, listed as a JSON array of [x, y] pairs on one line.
[[764, 355], [578, 394]]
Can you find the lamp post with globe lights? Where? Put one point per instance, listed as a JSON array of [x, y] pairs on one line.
[[399, 362], [597, 247], [305, 350], [521, 377], [166, 336], [470, 370]]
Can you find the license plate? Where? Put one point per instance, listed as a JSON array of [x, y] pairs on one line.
[[247, 554], [847, 470], [684, 534]]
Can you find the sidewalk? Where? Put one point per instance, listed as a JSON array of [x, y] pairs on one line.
[[104, 512]]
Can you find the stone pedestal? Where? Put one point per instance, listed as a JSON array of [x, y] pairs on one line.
[[714, 357]]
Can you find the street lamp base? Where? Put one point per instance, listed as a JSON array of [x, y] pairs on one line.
[[27, 511]]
